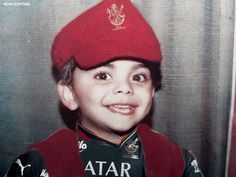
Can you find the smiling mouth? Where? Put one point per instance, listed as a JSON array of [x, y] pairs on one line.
[[122, 109]]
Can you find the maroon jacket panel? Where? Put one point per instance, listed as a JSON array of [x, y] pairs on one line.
[[61, 154]]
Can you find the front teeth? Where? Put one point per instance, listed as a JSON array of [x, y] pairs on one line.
[[122, 106], [123, 109]]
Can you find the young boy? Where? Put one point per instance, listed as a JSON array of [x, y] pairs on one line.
[[108, 69]]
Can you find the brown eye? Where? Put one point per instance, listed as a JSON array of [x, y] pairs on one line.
[[103, 76], [139, 77]]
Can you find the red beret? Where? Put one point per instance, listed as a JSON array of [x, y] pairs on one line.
[[110, 29]]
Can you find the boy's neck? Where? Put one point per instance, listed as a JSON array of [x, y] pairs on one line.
[[112, 137]]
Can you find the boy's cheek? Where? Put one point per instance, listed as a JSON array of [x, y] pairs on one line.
[[149, 90]]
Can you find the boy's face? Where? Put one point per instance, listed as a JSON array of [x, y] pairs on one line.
[[113, 98]]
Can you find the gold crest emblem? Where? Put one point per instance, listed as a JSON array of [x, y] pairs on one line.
[[132, 149], [116, 16]]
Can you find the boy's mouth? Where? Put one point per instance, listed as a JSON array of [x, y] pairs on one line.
[[122, 109]]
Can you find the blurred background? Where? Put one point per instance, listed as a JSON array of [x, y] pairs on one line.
[[195, 107]]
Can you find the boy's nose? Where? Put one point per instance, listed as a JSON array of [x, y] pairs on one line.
[[123, 88]]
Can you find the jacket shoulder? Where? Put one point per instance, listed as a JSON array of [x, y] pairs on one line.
[[151, 136], [60, 153], [161, 152], [56, 140], [60, 146]]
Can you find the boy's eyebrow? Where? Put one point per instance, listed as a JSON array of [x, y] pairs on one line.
[[140, 65], [136, 66], [109, 65]]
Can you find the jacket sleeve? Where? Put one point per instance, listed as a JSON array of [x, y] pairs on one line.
[[191, 165], [29, 164]]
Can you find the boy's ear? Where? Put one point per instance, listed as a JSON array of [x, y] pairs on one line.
[[153, 92], [67, 96]]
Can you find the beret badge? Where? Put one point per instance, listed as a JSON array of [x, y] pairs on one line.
[[116, 16]]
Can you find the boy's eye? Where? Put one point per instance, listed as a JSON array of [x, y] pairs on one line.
[[139, 77], [103, 76]]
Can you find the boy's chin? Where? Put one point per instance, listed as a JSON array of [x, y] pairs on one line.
[[125, 130]]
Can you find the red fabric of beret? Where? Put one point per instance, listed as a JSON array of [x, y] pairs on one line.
[[110, 29]]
